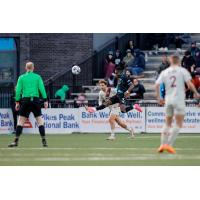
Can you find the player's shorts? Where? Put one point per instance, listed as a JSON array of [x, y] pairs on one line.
[[115, 111], [176, 108], [118, 98], [27, 106]]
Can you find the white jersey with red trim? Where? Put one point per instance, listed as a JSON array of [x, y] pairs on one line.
[[174, 79]]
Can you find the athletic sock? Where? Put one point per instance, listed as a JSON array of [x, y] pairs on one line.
[[129, 108], [165, 135], [173, 135], [128, 128], [42, 131], [112, 133], [101, 107], [18, 133]]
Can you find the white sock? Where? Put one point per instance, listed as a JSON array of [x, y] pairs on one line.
[[173, 135], [112, 133], [165, 135], [128, 128]]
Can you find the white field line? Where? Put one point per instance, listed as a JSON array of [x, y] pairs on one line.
[[89, 148], [104, 158]]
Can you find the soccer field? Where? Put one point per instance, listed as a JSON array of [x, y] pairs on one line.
[[93, 149]]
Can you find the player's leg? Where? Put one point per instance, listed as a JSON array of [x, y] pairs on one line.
[[112, 126], [112, 100], [179, 111], [123, 125], [176, 129], [166, 128], [41, 128], [36, 109], [19, 129], [24, 113]]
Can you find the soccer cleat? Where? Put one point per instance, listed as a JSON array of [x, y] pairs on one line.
[[161, 149], [170, 149], [13, 144], [44, 143], [137, 107], [111, 138]]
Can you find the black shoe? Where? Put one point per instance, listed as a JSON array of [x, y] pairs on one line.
[[44, 143], [13, 144]]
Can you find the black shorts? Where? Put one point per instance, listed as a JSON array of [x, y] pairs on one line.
[[27, 106], [118, 98]]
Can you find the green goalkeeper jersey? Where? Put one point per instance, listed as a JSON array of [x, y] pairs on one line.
[[30, 85]]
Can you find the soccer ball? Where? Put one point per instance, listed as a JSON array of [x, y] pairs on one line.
[[76, 70]]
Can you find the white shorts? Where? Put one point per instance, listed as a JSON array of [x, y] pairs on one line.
[[175, 108], [115, 111]]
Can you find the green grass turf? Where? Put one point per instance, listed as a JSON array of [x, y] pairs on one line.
[[93, 149]]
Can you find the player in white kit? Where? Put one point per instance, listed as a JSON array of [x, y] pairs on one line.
[[106, 92], [174, 79]]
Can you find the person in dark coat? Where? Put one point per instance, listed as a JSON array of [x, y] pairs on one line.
[[138, 91], [188, 62]]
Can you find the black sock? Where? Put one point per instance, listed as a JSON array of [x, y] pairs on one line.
[[127, 109], [101, 107], [42, 131], [18, 132]]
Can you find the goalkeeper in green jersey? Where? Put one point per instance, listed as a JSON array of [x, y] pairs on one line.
[[29, 87]]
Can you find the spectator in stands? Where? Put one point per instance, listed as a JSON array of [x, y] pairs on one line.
[[138, 90], [164, 65], [81, 100], [196, 82], [180, 39], [188, 62], [109, 66], [118, 59], [137, 66], [193, 49], [197, 59], [61, 93], [131, 46], [128, 59]]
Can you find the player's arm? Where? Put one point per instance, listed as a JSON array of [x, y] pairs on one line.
[[131, 86], [192, 88], [157, 88], [43, 92], [100, 98], [18, 93]]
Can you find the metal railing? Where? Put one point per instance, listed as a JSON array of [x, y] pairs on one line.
[[92, 67]]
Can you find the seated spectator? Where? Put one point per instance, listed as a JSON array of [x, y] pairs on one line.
[[109, 66], [196, 82], [128, 58], [81, 100], [188, 62], [118, 59], [61, 93], [193, 49], [138, 91], [197, 59], [131, 46], [137, 66], [164, 65]]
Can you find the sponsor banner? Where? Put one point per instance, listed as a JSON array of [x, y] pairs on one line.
[[6, 121], [155, 118], [98, 122], [56, 121]]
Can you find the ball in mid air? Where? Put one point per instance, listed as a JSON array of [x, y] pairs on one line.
[[76, 70]]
